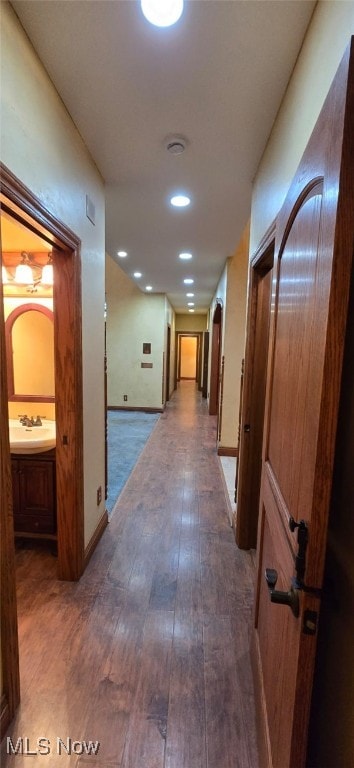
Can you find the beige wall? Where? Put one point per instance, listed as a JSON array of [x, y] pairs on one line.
[[191, 323], [41, 146], [133, 318], [232, 291], [328, 35], [234, 340]]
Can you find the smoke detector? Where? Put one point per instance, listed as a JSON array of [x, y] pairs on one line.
[[175, 144]]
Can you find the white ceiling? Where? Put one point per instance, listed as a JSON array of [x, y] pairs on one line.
[[217, 77]]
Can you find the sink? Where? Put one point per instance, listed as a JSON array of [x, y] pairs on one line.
[[32, 439]]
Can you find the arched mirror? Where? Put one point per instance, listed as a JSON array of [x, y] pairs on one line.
[[30, 353]]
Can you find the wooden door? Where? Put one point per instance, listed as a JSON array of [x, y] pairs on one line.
[[205, 363], [312, 271], [168, 363]]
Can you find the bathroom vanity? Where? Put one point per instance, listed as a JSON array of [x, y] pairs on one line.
[[34, 494]]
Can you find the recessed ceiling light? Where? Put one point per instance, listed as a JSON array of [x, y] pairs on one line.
[[162, 13], [180, 201], [137, 274], [122, 254], [191, 310], [148, 287], [188, 280], [191, 303], [185, 256], [190, 295]]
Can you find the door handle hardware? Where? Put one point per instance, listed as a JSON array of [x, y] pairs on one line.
[[300, 558], [290, 598], [247, 428]]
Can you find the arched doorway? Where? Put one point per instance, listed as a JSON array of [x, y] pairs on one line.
[[215, 358]]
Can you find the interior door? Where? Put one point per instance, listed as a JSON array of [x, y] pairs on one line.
[[205, 363], [311, 278]]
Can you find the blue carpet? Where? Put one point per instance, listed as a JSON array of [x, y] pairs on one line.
[[128, 432]]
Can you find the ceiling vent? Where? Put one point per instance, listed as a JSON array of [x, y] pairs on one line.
[[175, 144]]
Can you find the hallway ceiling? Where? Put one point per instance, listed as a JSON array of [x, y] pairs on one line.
[[217, 78]]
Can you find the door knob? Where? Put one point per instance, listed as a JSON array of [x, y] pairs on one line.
[[290, 598]]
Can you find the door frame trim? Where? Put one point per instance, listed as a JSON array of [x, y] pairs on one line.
[[195, 334], [215, 358], [10, 697], [23, 205], [246, 518]]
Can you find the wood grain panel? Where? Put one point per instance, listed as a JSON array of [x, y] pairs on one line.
[[10, 693]]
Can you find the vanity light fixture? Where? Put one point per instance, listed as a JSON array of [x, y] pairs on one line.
[[180, 201], [47, 272], [185, 256], [188, 281], [23, 271], [162, 13], [30, 272]]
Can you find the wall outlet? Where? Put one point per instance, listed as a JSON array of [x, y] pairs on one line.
[[99, 495], [125, 398]]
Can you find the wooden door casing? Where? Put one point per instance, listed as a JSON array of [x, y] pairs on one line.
[[10, 693], [205, 364], [21, 204], [312, 270], [216, 342], [249, 465]]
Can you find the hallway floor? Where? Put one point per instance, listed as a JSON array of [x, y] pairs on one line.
[[149, 653]]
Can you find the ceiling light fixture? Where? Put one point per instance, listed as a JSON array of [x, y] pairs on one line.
[[191, 303], [162, 13], [188, 280], [148, 287], [191, 310], [190, 295], [185, 256], [137, 274], [122, 254], [180, 201]]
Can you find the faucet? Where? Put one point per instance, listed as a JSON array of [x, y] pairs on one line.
[[26, 421], [30, 422]]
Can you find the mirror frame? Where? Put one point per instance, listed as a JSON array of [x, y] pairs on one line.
[[12, 396]]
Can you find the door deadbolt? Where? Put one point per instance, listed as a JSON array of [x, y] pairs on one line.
[[290, 598]]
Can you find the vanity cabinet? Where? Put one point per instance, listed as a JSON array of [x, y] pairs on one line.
[[34, 494]]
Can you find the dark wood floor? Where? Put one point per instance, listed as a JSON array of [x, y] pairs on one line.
[[149, 653]]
